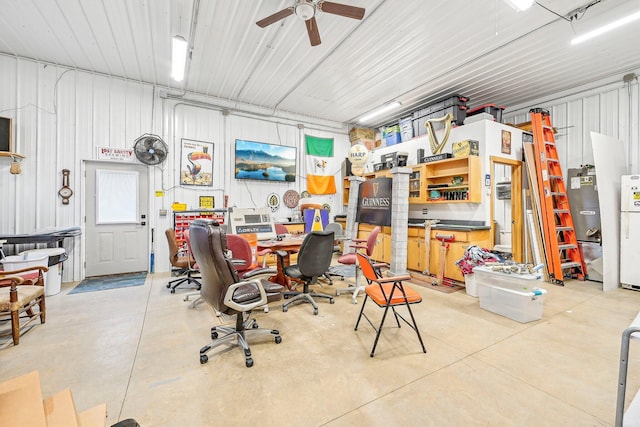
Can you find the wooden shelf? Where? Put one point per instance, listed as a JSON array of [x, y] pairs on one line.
[[440, 172], [9, 154]]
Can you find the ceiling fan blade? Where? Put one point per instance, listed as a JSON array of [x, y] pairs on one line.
[[275, 17], [312, 30], [342, 9]]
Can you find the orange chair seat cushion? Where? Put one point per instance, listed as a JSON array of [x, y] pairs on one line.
[[26, 294], [375, 292]]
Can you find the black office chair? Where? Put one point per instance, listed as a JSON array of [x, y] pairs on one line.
[[314, 258], [222, 289]]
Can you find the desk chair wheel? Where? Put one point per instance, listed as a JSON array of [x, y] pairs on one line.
[[249, 362], [255, 325], [284, 307], [168, 285], [315, 311], [173, 291], [204, 359], [331, 301], [278, 339], [214, 335]]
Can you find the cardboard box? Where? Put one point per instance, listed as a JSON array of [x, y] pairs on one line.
[[465, 148], [21, 404], [362, 133], [369, 143]]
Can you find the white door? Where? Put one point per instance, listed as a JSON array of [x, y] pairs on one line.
[[116, 218]]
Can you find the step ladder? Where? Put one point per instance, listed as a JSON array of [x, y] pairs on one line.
[[564, 258]]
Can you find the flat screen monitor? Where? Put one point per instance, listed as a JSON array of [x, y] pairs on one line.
[[6, 134], [265, 162]]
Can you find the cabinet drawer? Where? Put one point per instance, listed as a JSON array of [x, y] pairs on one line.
[[459, 236]]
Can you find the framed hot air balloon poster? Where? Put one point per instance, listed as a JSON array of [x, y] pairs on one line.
[[196, 163]]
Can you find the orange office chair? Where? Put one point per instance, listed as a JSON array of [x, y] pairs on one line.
[[182, 262], [387, 292], [351, 259]]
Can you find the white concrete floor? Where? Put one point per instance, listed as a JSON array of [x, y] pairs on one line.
[[137, 350]]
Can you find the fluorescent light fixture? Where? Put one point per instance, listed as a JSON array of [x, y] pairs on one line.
[[179, 58], [520, 5], [606, 28], [383, 109]]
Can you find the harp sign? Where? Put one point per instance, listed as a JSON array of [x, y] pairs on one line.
[[358, 155]]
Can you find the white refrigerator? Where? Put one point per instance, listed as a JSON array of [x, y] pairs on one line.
[[630, 231]]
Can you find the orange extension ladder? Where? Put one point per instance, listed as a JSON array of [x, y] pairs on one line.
[[564, 258]]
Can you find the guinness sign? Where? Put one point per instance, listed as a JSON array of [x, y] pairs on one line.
[[374, 205]]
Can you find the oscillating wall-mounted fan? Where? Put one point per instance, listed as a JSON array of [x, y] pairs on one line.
[[307, 10], [150, 149]]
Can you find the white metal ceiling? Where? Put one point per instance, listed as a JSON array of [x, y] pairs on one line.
[[410, 50]]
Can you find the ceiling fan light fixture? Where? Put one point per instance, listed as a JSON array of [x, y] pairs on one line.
[[379, 111], [520, 5], [178, 57], [305, 9]]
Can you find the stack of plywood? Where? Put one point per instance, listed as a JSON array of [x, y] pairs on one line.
[[21, 404]]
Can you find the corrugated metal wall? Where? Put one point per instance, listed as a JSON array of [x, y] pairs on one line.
[[613, 110], [61, 116]]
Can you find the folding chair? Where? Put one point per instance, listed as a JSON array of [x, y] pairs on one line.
[[387, 292]]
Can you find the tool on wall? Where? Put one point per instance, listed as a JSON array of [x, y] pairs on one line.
[[563, 255], [444, 239]]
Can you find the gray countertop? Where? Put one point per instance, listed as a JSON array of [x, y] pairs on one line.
[[458, 227]]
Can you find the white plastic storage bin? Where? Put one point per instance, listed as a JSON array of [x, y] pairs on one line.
[[53, 277], [470, 285], [18, 262], [520, 306], [515, 281]]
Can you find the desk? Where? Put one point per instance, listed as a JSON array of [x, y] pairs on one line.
[[287, 244], [53, 238]]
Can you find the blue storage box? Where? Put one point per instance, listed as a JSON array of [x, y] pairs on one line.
[[393, 138], [392, 135]]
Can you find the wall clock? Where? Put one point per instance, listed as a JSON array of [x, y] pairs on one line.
[[65, 192]]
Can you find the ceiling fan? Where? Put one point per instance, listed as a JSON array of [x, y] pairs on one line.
[[307, 10]]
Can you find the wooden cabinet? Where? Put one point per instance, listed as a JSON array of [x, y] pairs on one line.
[[416, 259], [382, 248], [455, 180], [346, 184], [421, 260], [418, 185], [296, 228], [454, 250], [416, 250]]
